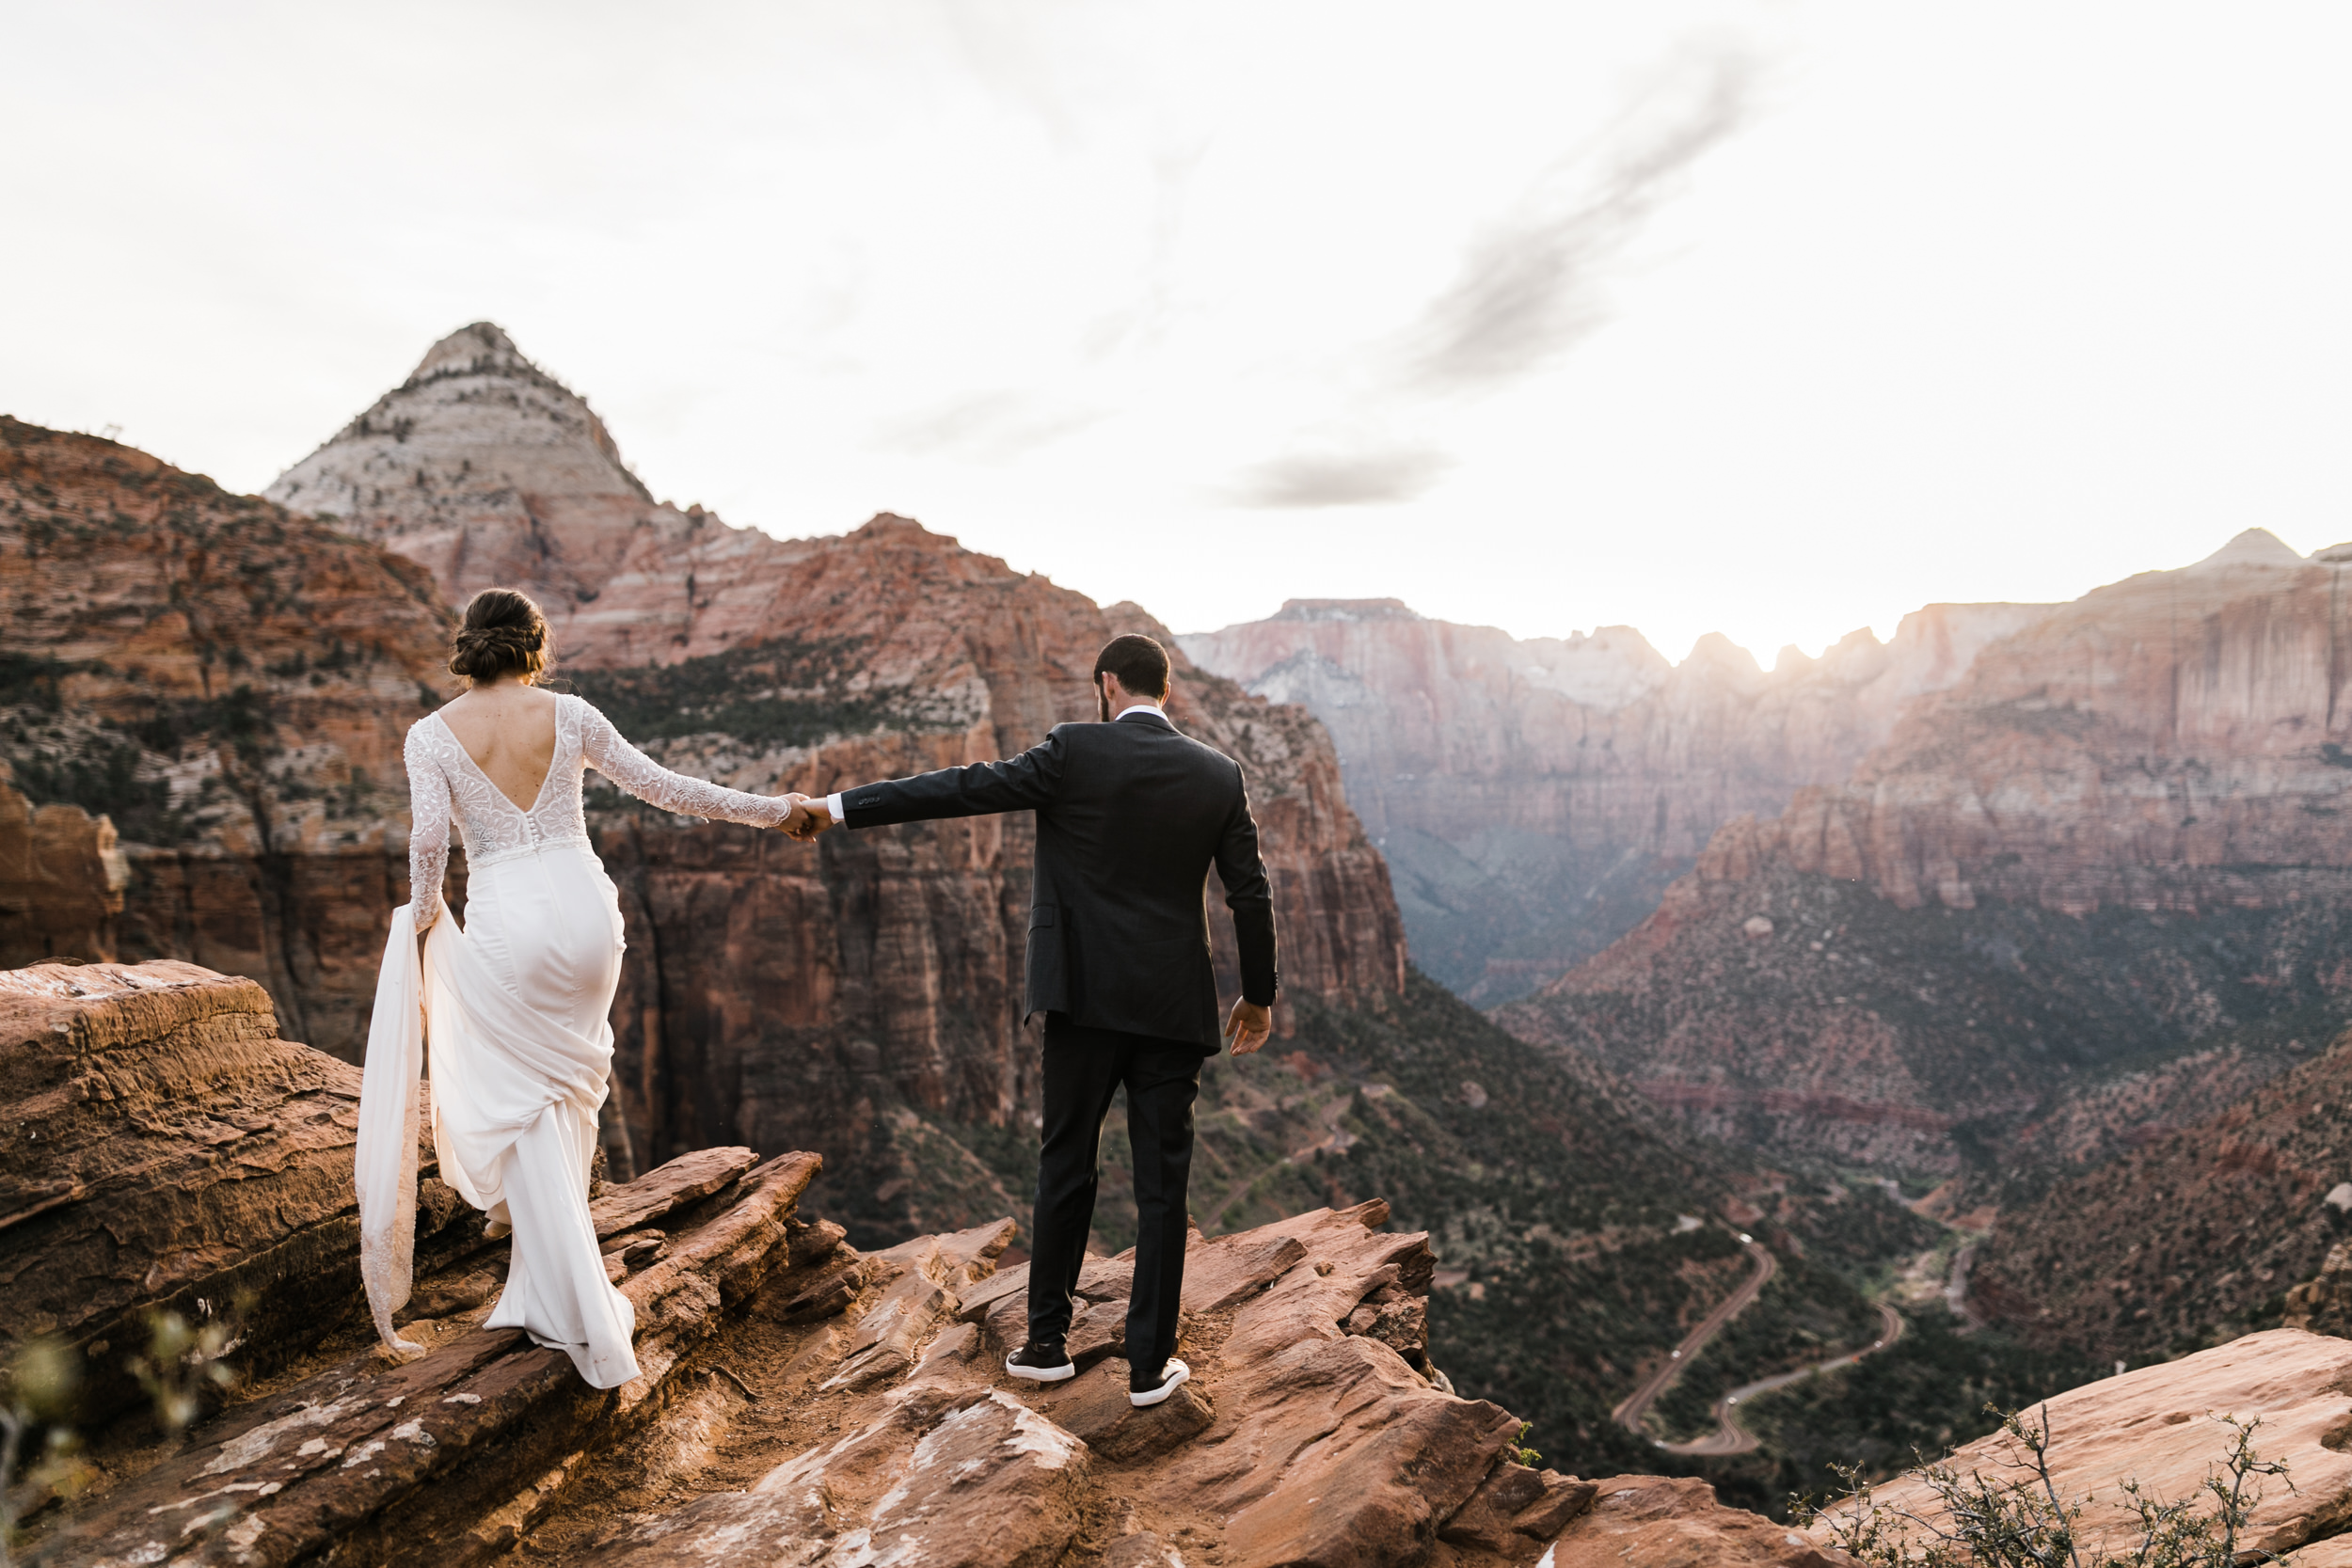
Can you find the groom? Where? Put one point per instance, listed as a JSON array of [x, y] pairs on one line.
[[1131, 813]]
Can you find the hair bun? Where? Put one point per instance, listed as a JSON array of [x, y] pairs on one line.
[[503, 633]]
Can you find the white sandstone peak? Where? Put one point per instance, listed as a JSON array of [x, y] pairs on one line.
[[477, 345], [2256, 546]]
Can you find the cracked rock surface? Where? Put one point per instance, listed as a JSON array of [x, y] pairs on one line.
[[802, 1404]]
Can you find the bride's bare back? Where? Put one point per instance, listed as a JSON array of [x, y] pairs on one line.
[[508, 727]]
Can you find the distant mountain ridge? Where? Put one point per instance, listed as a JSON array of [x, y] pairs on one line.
[[1534, 797], [2120, 836]]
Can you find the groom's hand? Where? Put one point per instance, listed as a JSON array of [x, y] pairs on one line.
[[1249, 1026], [809, 818]]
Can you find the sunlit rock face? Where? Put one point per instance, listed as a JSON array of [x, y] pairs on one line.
[[2119, 837], [1536, 797]]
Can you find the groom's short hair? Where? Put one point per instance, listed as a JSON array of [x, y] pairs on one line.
[[1140, 664]]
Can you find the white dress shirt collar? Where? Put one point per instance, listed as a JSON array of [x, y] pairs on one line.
[[1152, 708]]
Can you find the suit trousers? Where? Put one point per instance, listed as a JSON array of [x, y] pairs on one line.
[[1084, 1068]]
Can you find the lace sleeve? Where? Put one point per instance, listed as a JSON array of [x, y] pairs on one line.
[[428, 829], [606, 751]]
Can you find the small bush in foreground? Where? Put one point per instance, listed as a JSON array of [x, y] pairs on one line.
[[2017, 1519]]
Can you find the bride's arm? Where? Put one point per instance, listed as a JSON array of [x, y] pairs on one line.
[[625, 765], [428, 830]]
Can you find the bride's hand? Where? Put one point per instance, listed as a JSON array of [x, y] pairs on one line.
[[808, 819]]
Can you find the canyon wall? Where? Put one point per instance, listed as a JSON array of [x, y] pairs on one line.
[[2119, 836], [207, 698], [1536, 797]]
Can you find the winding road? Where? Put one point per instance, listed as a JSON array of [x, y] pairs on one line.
[[1729, 1436], [1629, 1414]]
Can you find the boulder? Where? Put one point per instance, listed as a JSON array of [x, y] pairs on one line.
[[2323, 1303], [165, 1150]]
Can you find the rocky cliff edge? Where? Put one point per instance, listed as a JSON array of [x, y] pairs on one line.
[[801, 1402]]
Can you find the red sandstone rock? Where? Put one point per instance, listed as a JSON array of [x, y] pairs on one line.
[[2158, 1426], [442, 1460], [164, 1148], [799, 1403], [1658, 1522]]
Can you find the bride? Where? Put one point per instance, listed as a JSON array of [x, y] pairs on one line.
[[513, 1002]]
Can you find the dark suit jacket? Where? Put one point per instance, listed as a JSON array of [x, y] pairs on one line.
[[1130, 816]]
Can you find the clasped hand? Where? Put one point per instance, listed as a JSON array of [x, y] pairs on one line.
[[808, 817]]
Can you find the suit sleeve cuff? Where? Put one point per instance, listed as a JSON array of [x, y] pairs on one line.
[[832, 804]]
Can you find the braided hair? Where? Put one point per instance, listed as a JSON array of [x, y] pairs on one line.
[[503, 633]]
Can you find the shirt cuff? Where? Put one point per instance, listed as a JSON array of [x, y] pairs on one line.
[[832, 804]]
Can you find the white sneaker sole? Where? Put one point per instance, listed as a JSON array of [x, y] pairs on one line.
[[1177, 1373], [1044, 1374]]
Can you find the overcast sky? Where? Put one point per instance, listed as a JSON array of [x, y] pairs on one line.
[[1774, 319]]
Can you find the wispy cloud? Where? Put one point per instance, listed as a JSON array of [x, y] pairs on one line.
[[984, 426], [1371, 474], [1528, 286]]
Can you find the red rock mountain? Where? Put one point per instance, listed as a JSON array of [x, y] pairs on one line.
[[230, 683], [2120, 834], [782, 995], [1534, 797]]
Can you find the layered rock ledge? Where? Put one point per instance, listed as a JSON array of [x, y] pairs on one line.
[[801, 1402]]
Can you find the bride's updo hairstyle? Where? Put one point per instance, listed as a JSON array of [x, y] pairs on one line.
[[504, 634]]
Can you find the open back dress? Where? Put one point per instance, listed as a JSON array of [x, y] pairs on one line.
[[514, 1007]]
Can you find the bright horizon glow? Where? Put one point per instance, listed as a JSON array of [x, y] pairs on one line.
[[1776, 319]]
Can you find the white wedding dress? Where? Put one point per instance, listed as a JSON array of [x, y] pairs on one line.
[[515, 1007]]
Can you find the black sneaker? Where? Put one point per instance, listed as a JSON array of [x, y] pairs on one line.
[[1047, 1363], [1141, 1393]]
